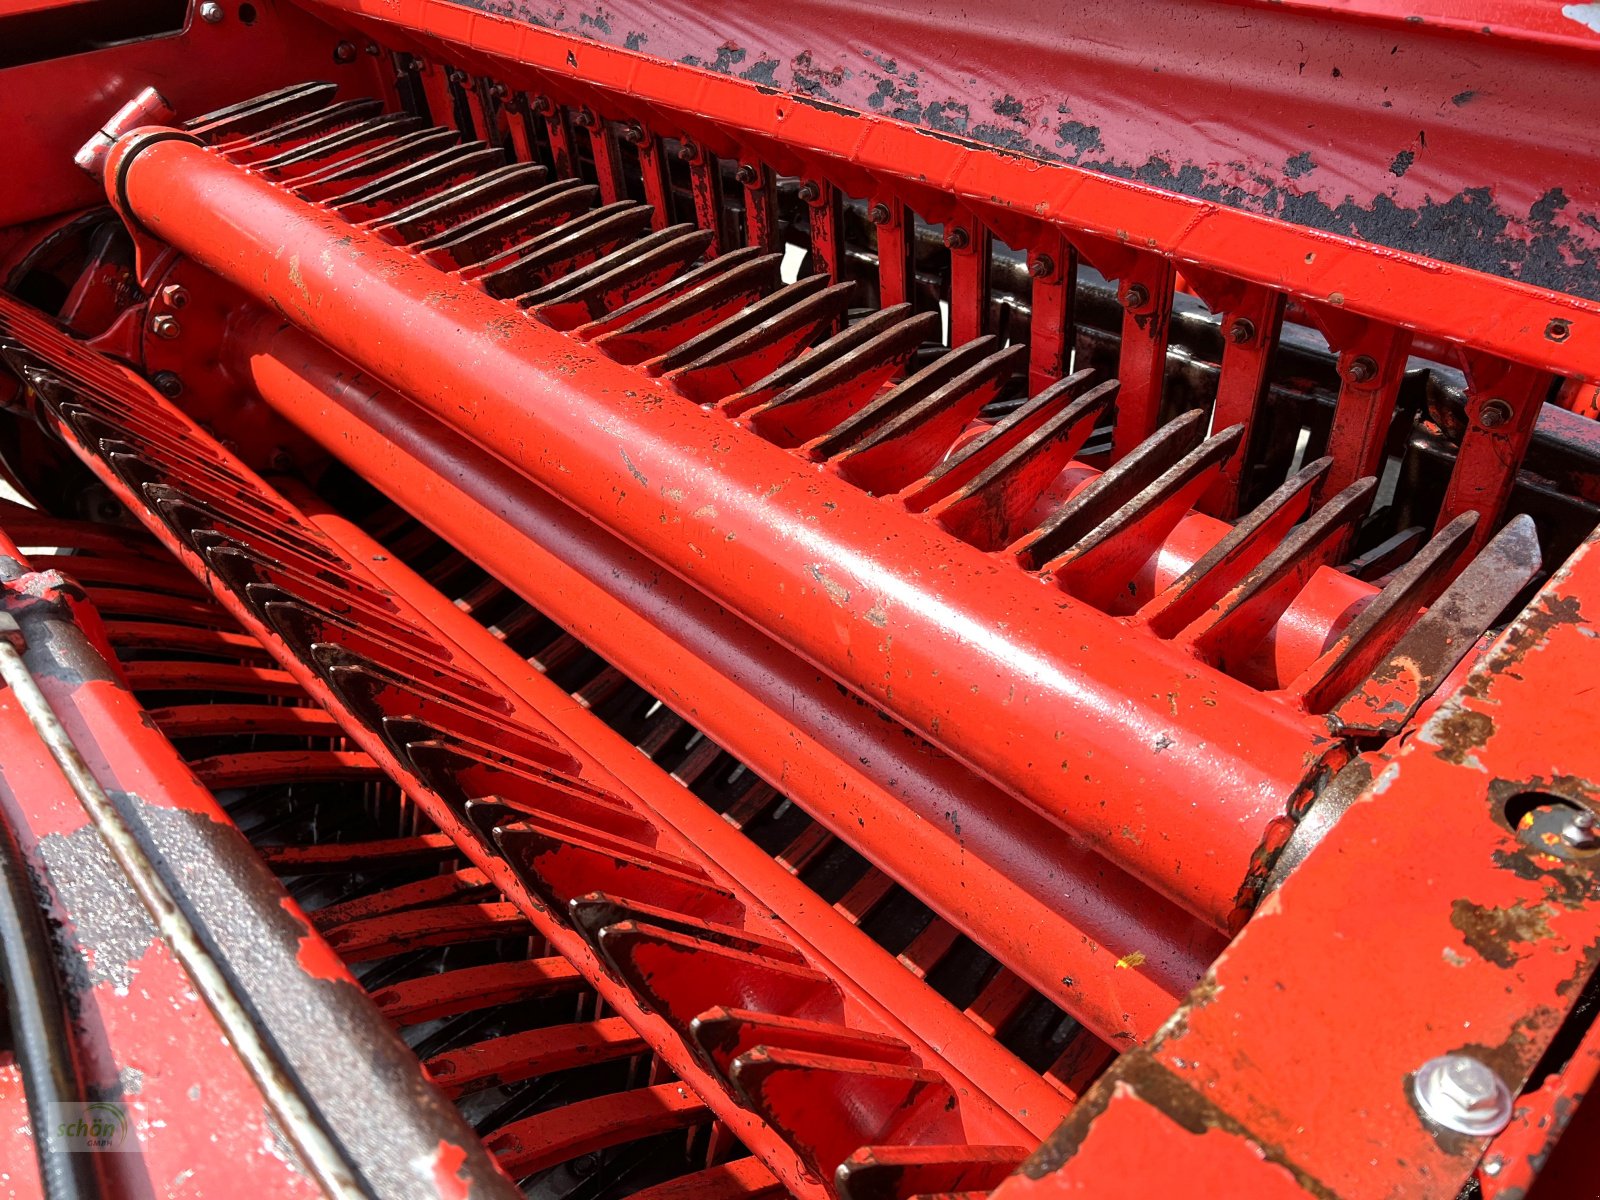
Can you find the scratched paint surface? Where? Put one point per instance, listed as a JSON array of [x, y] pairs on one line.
[[1470, 146]]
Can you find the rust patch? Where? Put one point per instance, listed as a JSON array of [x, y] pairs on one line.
[[1495, 932], [1459, 734]]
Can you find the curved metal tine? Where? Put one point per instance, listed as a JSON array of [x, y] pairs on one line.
[[338, 146], [612, 281], [653, 324], [259, 112], [488, 242], [532, 264], [1384, 703], [370, 166], [250, 150], [896, 447], [855, 361], [994, 509], [1100, 567], [447, 209], [1250, 540], [748, 355], [1236, 623]]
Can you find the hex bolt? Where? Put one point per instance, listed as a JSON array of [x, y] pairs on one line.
[[746, 174], [174, 295], [1242, 331], [1460, 1093], [1136, 297], [1580, 832], [809, 192], [168, 384], [633, 133], [210, 12], [165, 326], [1494, 414], [459, 77], [879, 214], [956, 238], [584, 118], [1042, 266], [344, 52], [688, 152], [1362, 369], [499, 91], [1558, 329], [541, 106]]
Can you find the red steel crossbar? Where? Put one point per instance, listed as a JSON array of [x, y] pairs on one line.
[[1092, 723]]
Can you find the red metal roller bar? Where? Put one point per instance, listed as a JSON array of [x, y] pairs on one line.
[[1093, 724], [1061, 916]]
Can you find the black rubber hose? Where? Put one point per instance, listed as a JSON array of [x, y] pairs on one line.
[[40, 1038]]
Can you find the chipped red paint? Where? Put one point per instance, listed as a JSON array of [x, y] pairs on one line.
[[447, 1166], [315, 956], [1482, 945], [1454, 131]]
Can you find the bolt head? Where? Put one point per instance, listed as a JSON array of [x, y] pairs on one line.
[[210, 12], [1362, 369], [165, 326], [1458, 1092], [174, 295], [1494, 414], [1580, 833]]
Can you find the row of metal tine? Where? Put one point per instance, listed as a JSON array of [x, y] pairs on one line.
[[598, 874], [787, 363]]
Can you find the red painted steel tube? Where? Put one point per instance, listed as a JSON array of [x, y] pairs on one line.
[[1175, 771], [1010, 1100], [1060, 916]]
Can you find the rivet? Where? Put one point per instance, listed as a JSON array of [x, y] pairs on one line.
[[1460, 1093]]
